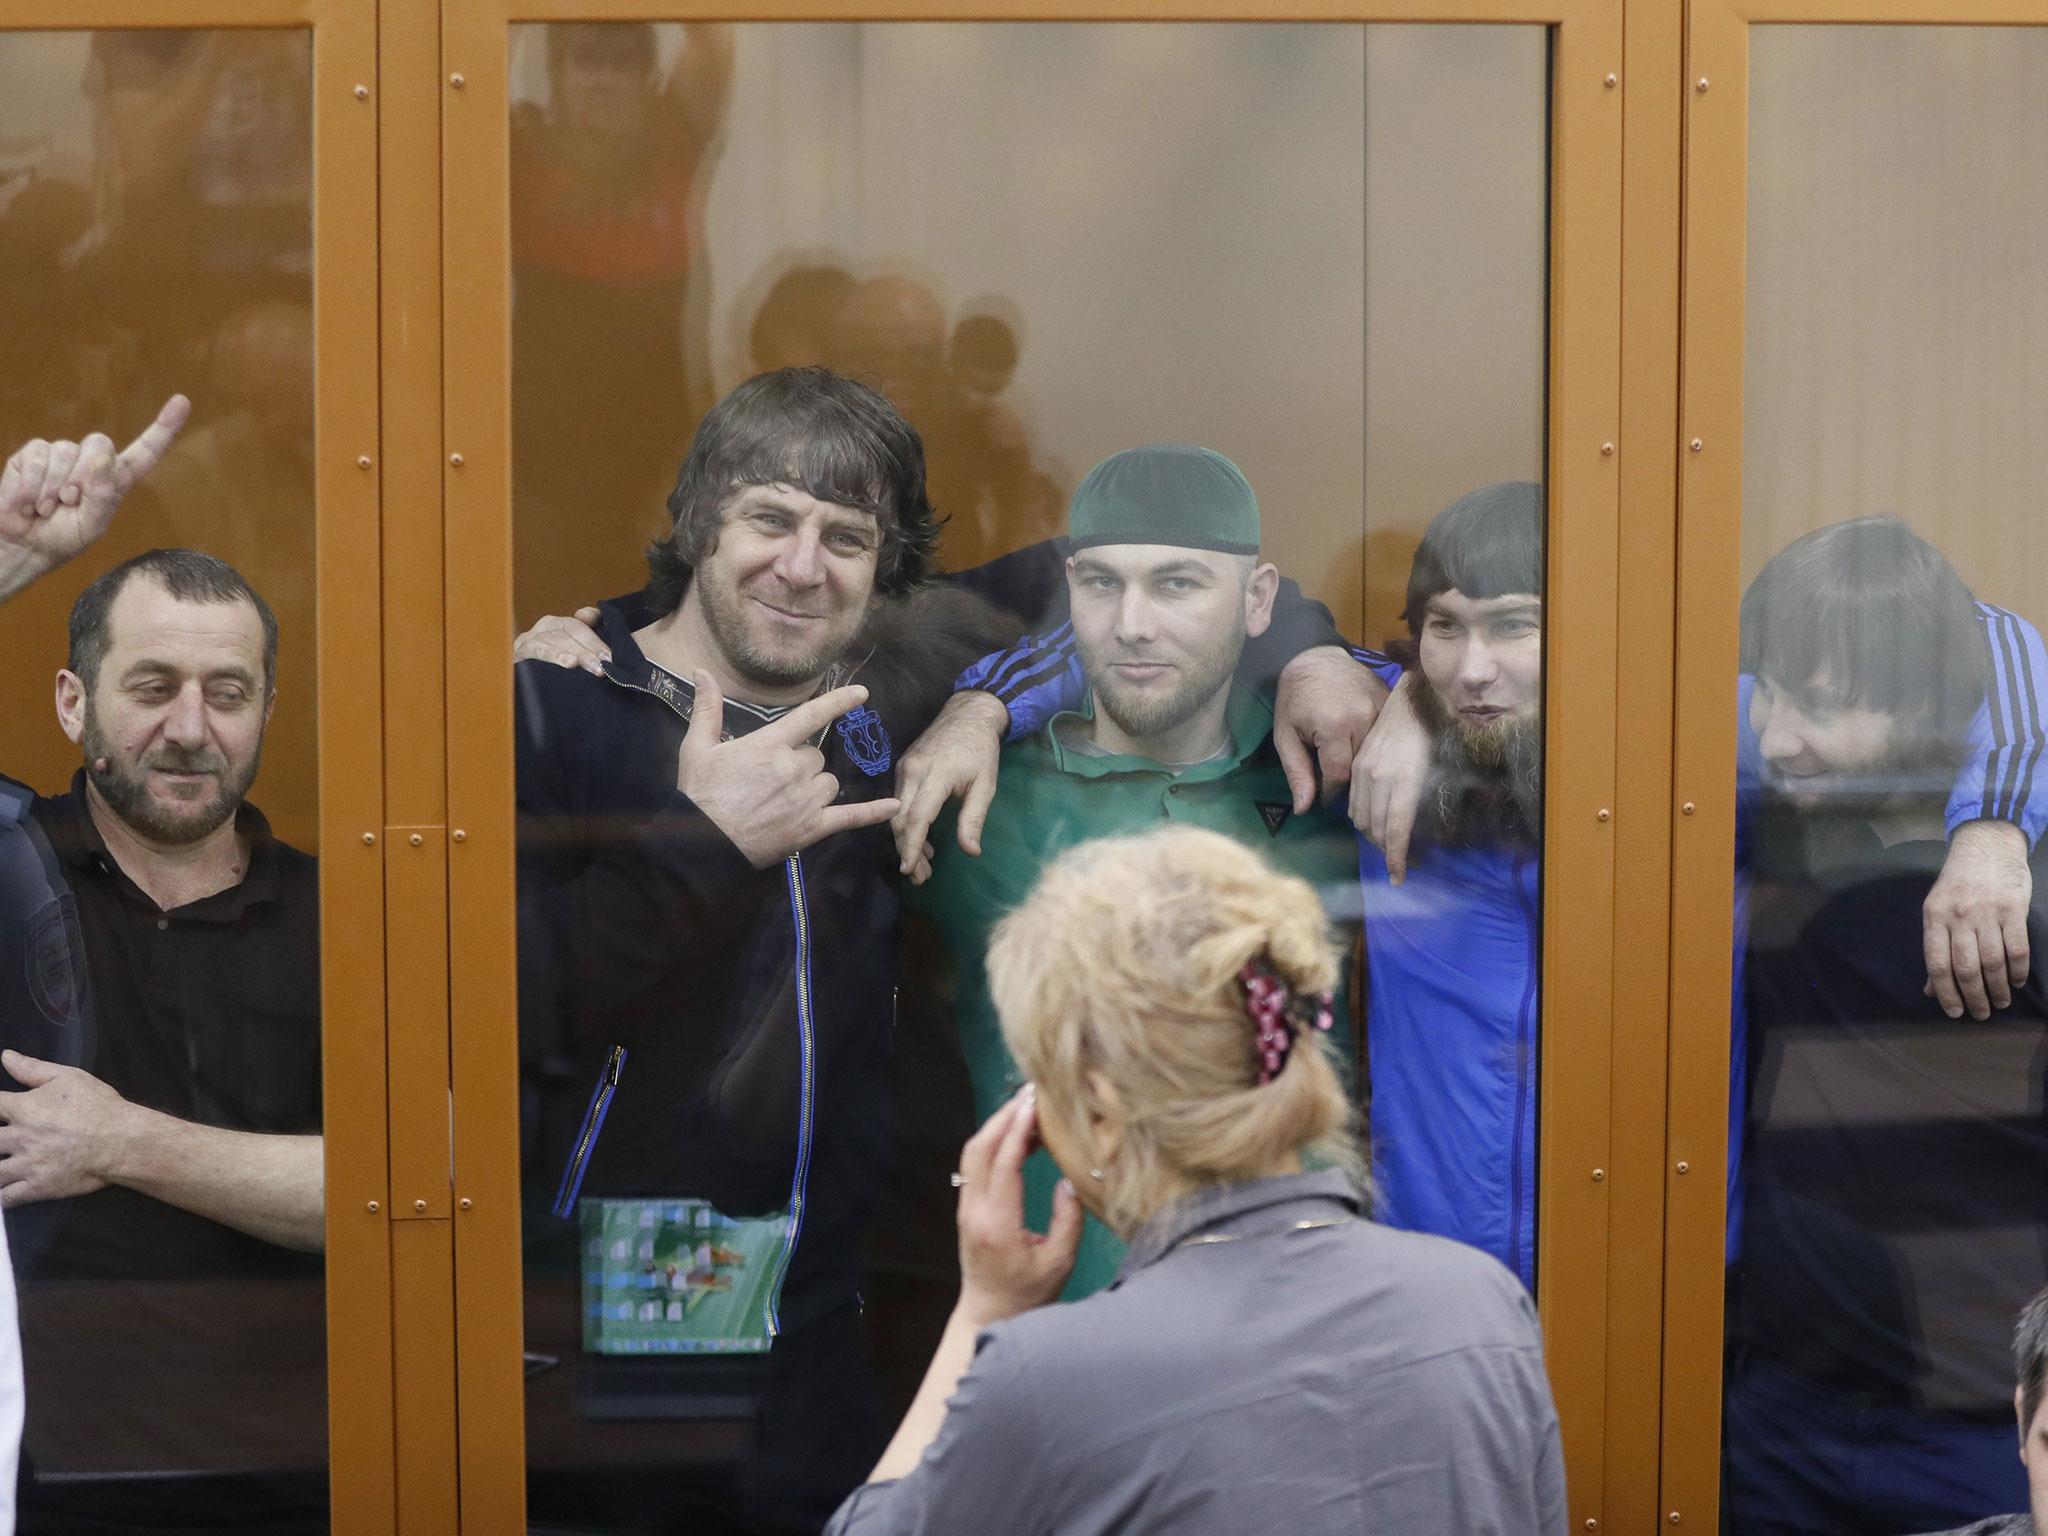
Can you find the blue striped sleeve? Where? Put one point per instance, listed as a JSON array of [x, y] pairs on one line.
[[1385, 668], [1036, 678], [2003, 780]]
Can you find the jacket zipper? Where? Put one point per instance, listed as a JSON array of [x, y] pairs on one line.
[[806, 1047], [807, 1056], [586, 1136], [1522, 1034]]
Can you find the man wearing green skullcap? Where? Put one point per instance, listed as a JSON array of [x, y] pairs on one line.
[[1166, 586]]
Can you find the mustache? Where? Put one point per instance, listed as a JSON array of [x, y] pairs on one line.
[[184, 760]]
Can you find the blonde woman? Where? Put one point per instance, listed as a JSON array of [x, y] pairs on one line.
[[1267, 1359]]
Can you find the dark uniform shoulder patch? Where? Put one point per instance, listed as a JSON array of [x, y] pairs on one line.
[[54, 943]]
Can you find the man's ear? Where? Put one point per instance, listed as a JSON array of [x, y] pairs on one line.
[[71, 702], [269, 708], [2019, 1411], [1259, 589]]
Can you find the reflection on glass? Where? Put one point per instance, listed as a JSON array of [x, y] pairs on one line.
[[163, 1158], [750, 1051], [610, 160], [1891, 1071]]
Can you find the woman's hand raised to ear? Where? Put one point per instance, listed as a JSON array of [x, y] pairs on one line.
[[1005, 1267]]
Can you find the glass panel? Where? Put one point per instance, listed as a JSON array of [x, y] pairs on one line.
[[1887, 1221], [162, 1168], [1318, 251]]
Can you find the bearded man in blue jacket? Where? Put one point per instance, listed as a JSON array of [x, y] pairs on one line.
[[1453, 932], [1453, 949]]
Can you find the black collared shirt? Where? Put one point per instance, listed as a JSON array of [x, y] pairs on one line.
[[209, 1012]]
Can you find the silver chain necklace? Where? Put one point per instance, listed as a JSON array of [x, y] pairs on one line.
[[1201, 1239]]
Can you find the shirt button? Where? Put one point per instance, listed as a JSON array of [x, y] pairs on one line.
[[162, 924]]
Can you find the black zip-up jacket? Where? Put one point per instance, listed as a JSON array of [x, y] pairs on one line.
[[754, 1006]]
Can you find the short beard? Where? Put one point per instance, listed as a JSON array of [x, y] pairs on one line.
[[1147, 715], [728, 627], [1485, 782], [126, 791]]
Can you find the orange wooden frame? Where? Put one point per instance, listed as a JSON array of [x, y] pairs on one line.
[[349, 641]]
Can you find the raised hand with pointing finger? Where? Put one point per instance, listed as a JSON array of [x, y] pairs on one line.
[[57, 498], [768, 791]]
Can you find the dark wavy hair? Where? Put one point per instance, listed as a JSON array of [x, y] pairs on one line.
[[828, 435], [2030, 1358], [1877, 613], [189, 575], [1486, 544]]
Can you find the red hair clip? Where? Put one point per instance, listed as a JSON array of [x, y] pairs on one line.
[[1278, 1013]]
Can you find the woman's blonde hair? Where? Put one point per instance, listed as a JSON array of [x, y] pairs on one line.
[[1124, 960]]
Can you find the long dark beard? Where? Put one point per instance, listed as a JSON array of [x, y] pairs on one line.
[[1485, 784]]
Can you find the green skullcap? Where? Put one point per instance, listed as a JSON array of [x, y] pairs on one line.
[[1166, 493]]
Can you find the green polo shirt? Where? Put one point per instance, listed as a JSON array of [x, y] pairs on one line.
[[1056, 792]]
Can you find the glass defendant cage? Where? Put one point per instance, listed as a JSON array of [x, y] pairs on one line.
[[451, 285]]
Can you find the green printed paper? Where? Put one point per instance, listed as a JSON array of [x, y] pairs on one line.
[[677, 1277]]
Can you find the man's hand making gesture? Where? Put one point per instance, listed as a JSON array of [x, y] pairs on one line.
[[768, 790], [56, 499]]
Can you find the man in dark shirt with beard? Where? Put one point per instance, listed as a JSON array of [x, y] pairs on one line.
[[163, 1031]]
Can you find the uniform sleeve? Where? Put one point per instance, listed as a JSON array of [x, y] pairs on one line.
[[982, 1474], [11, 1395], [2003, 780]]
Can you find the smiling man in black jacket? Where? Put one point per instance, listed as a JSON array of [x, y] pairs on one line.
[[706, 912]]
